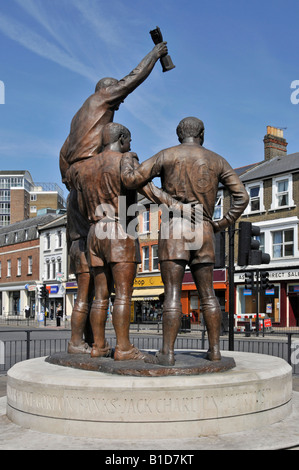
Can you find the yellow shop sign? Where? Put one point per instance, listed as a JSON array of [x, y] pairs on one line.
[[150, 281]]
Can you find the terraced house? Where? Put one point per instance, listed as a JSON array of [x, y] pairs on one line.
[[273, 187]]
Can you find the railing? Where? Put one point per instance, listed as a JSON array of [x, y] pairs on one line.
[[18, 345]]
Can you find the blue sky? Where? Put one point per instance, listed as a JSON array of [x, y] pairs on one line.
[[235, 62]]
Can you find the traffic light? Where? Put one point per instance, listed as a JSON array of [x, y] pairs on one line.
[[220, 249], [248, 249], [249, 281], [264, 281], [44, 292]]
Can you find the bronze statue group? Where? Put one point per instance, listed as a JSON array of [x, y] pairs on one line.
[[98, 168]]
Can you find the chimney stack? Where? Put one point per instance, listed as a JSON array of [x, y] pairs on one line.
[[274, 143]]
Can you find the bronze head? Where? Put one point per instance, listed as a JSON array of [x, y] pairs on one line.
[[190, 127]]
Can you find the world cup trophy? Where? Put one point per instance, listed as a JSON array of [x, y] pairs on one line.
[[166, 61]]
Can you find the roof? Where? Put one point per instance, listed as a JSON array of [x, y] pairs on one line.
[[273, 167], [59, 221], [15, 173], [26, 229]]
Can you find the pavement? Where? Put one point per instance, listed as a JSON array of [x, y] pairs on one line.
[[282, 435]]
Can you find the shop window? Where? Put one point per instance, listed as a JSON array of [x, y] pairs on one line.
[[268, 302], [283, 243]]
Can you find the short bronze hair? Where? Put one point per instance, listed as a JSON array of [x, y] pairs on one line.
[[113, 131], [105, 82], [190, 127]]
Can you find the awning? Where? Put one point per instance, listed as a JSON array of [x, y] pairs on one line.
[[147, 294]]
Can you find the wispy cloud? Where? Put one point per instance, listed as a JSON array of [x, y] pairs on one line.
[[39, 45]]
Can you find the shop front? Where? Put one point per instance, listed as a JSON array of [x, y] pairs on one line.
[[190, 299], [280, 303], [147, 299], [56, 300]]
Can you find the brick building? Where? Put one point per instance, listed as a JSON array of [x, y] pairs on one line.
[[21, 197], [273, 187], [20, 266]]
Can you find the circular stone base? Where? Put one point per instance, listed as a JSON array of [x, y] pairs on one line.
[[83, 403], [186, 363]]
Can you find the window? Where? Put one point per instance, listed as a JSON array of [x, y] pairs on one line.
[[48, 269], [254, 195], [19, 267], [29, 264], [53, 268], [33, 209], [146, 220], [283, 243], [47, 241], [16, 236], [59, 239], [218, 206], [33, 197], [59, 265], [155, 257], [145, 258], [26, 234], [261, 239], [8, 268], [282, 193]]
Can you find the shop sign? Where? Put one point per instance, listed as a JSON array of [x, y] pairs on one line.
[[30, 288], [53, 289], [148, 281], [285, 275], [247, 292]]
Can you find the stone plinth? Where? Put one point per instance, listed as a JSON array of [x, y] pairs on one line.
[[56, 399]]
